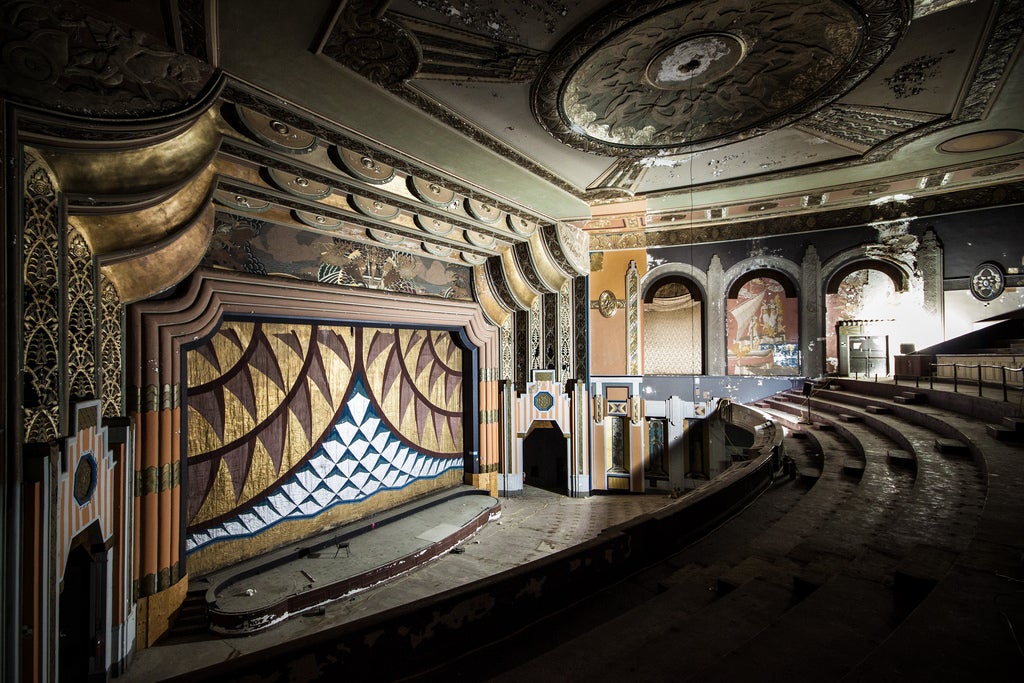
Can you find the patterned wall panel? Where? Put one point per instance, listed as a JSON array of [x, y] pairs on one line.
[[250, 245], [293, 422]]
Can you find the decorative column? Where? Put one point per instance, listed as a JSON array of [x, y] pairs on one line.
[[716, 333], [634, 359], [564, 359], [812, 315], [929, 265]]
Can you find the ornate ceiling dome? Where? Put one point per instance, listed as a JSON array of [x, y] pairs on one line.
[[660, 75]]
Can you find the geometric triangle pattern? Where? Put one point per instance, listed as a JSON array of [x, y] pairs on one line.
[[360, 458]]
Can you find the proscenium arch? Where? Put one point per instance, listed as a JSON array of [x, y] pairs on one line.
[[160, 329]]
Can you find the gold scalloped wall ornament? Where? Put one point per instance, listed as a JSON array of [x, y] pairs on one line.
[[138, 274], [107, 233], [489, 304], [521, 290], [548, 271], [142, 172]]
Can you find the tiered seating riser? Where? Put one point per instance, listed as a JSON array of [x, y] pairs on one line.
[[914, 415]]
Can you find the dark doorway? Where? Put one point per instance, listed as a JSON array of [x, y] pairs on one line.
[[82, 615], [544, 458]]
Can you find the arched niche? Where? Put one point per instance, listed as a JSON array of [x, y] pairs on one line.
[[763, 324], [674, 320], [871, 308]]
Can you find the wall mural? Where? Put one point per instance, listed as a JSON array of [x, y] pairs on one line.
[[293, 428], [763, 330], [250, 245]]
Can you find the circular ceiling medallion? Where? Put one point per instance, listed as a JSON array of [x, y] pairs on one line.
[[680, 77], [697, 60], [980, 142]]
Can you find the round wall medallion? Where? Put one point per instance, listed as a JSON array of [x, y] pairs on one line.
[[85, 479], [607, 304], [679, 77], [987, 282], [543, 401]]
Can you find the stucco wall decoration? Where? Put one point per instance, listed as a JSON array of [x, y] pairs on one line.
[[251, 245], [297, 427], [60, 55]]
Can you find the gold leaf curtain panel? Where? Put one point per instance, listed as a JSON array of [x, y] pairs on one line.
[[297, 427]]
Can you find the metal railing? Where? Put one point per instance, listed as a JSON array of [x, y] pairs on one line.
[[973, 375]]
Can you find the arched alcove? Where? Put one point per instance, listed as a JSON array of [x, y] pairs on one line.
[[763, 324], [866, 307], [673, 325]]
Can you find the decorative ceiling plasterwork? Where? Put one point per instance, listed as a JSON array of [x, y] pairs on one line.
[[692, 76], [58, 56]]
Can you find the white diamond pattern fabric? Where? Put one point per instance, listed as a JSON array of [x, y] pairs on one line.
[[361, 457]]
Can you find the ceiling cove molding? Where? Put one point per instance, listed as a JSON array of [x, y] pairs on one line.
[[1009, 194], [244, 94]]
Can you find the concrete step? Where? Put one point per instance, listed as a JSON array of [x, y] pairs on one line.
[[951, 447], [919, 572], [877, 410], [901, 458], [850, 417], [909, 397], [1014, 423], [1001, 433], [853, 466], [825, 426]]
